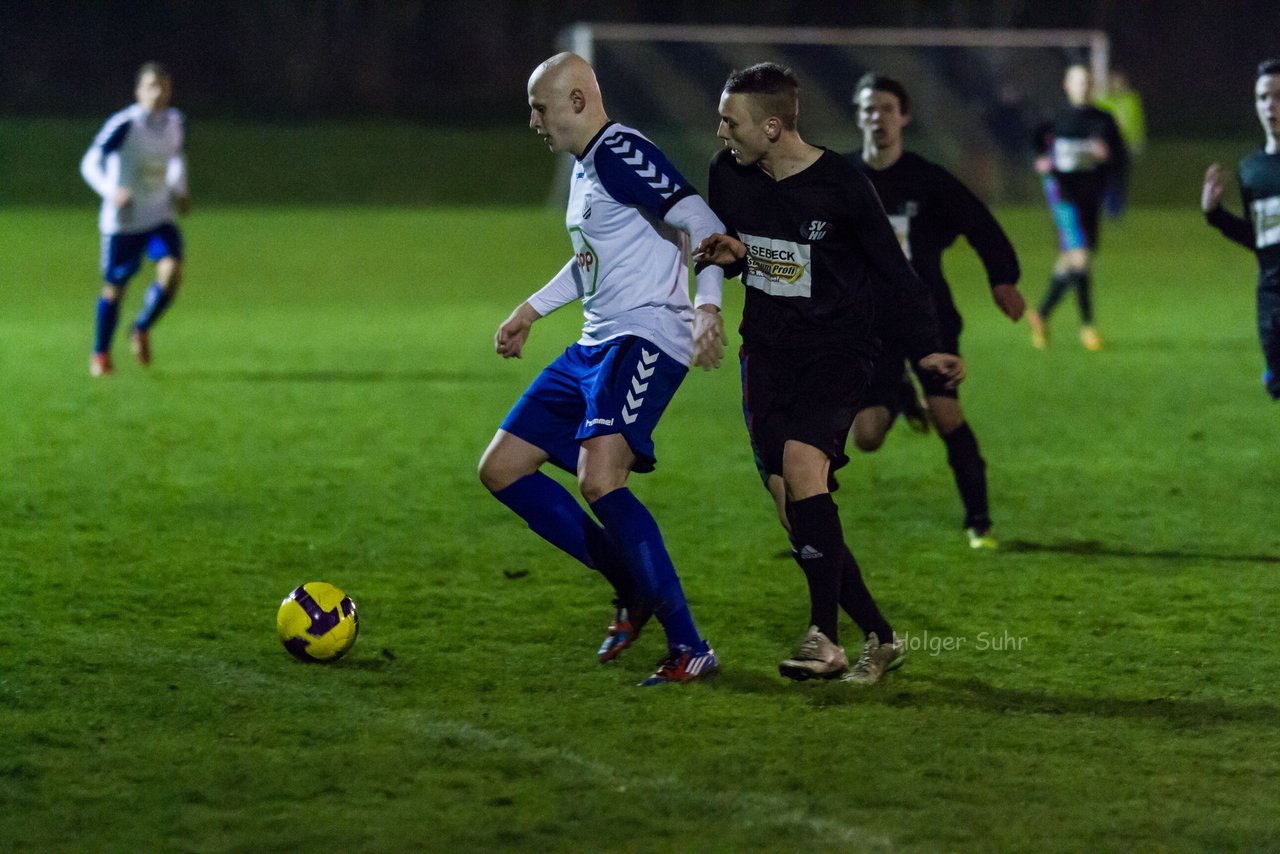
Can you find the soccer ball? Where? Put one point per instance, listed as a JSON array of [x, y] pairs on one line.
[[317, 622]]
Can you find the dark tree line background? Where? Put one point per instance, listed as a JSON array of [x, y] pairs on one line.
[[465, 64]]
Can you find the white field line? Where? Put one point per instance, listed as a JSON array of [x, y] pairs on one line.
[[753, 809]]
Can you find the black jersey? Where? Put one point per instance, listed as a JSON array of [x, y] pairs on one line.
[[821, 259], [1081, 176], [1259, 228], [929, 208]]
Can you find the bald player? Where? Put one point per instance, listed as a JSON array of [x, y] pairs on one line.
[[592, 411]]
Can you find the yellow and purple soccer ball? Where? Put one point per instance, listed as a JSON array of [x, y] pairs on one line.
[[317, 622]]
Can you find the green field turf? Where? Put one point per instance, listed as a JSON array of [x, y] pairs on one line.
[[321, 393]]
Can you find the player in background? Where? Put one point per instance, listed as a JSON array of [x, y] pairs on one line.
[[929, 208], [1077, 156], [592, 411], [814, 249], [1124, 104], [1259, 228], [138, 166]]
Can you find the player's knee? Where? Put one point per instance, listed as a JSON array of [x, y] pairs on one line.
[[111, 293], [946, 414], [169, 274], [869, 430], [595, 485], [487, 475], [495, 474], [868, 440]]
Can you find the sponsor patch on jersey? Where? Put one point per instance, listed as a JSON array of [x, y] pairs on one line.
[[1266, 221], [1074, 155], [778, 267], [588, 262]]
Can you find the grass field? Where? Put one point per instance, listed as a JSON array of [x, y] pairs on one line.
[[321, 393]]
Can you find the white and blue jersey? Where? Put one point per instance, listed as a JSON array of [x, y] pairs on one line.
[[144, 152], [631, 217]]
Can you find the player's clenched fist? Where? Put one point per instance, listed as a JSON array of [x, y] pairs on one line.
[[514, 331]]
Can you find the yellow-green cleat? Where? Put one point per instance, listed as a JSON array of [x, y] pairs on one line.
[[981, 539], [1039, 330]]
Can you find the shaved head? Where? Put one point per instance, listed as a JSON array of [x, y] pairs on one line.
[[564, 72], [567, 108]]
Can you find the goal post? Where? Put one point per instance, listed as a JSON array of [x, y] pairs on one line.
[[976, 93]]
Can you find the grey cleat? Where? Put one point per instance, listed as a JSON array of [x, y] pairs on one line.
[[876, 660], [816, 658]]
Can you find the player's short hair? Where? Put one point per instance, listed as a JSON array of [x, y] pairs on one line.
[[1269, 66], [155, 68], [774, 88], [1078, 58], [880, 83]]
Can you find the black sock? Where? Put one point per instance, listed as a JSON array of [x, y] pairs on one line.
[[1083, 284], [819, 541], [1057, 287], [970, 471], [858, 602]]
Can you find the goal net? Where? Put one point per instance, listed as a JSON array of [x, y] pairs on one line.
[[977, 94]]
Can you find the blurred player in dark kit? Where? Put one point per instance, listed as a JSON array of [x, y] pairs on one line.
[[1259, 228], [1078, 153], [929, 208]]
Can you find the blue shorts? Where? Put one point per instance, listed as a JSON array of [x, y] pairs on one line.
[[122, 253], [620, 386]]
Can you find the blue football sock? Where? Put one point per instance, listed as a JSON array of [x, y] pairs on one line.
[[554, 514], [633, 528], [105, 327], [157, 300]]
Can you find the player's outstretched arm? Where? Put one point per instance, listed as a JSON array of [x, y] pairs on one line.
[[1215, 184], [948, 365], [721, 250], [1234, 228], [514, 331]]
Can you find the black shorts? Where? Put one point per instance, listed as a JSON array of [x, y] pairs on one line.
[[810, 396], [887, 378]]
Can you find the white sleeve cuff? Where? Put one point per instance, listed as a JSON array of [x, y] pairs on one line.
[[695, 217]]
